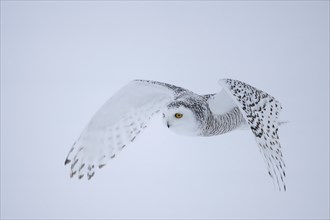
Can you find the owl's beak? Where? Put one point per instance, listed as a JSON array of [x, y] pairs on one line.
[[168, 125]]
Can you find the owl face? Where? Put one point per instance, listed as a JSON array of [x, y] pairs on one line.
[[181, 120]]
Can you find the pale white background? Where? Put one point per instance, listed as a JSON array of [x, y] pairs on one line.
[[60, 61]]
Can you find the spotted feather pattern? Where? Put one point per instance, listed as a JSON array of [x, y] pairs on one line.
[[86, 158], [117, 124], [124, 116], [261, 112]]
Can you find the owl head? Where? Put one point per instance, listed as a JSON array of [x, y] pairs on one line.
[[182, 119]]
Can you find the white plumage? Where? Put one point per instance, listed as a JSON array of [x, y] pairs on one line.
[[128, 112]]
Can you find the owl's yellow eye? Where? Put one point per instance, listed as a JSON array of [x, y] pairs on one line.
[[178, 115]]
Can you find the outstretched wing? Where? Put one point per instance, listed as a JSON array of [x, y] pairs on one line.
[[117, 123], [261, 112]]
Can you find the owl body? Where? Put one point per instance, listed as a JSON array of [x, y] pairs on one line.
[[199, 119], [124, 116]]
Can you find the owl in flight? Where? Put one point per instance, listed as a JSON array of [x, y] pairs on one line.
[[123, 117]]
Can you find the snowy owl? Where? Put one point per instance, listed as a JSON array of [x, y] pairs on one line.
[[122, 118]]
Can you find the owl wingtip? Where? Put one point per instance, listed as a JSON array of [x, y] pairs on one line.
[[67, 161]]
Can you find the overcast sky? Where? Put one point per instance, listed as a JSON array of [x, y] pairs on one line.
[[60, 61]]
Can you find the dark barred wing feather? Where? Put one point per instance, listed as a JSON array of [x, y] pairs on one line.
[[118, 122], [261, 112]]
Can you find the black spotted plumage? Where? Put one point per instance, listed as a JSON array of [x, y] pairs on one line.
[[124, 116], [258, 108]]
